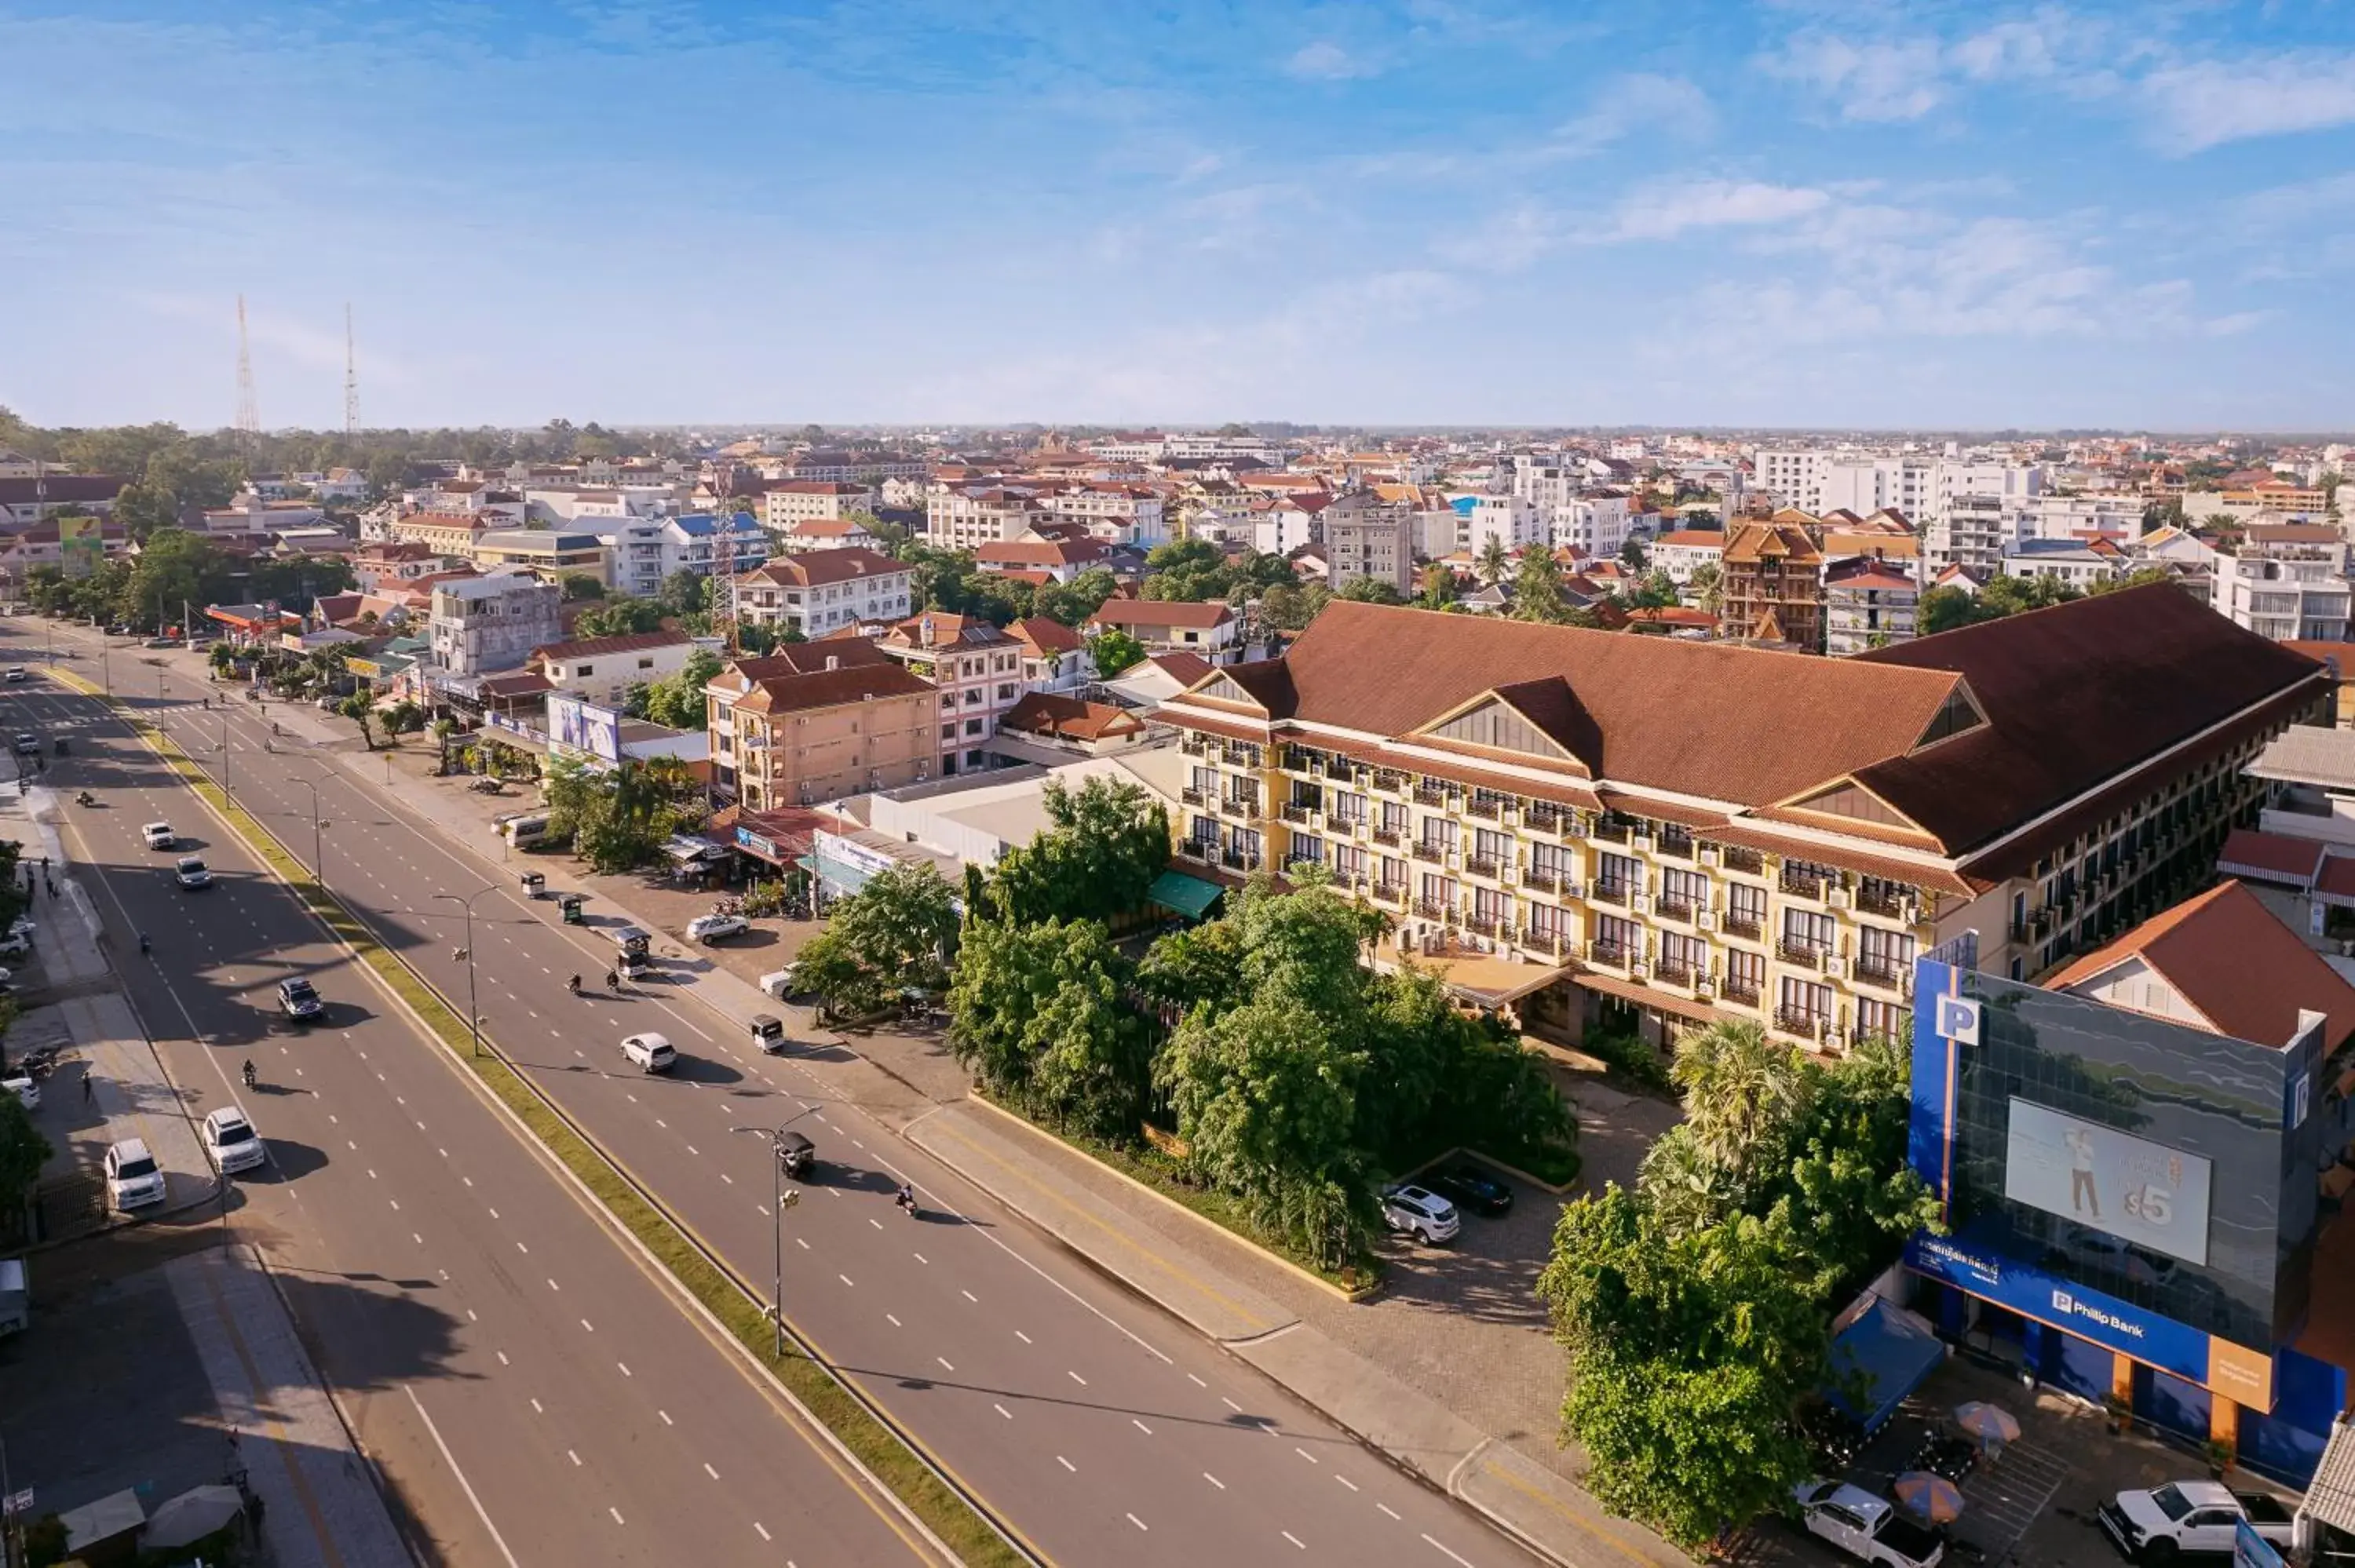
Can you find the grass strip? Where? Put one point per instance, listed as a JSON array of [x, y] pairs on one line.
[[882, 1451]]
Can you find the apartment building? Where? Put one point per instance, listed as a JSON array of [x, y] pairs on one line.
[[703, 543], [975, 668], [820, 591], [965, 517], [443, 533], [1059, 559], [482, 625], [604, 669], [1707, 831], [788, 502], [1509, 519], [1115, 512], [1053, 657], [1869, 602], [1772, 583], [1687, 550], [2286, 582], [816, 722], [2080, 563], [1597, 523], [544, 551], [826, 534], [1371, 541]]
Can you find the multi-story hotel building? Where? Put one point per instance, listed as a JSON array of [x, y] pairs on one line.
[[814, 721], [1704, 832]]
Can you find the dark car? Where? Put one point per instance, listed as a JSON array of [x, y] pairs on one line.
[[797, 1152], [1472, 1188]]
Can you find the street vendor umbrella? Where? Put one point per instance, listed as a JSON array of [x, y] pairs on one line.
[[191, 1516], [1990, 1424], [1930, 1497]]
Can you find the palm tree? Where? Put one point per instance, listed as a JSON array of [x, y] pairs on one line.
[[1741, 1089], [1494, 561], [1707, 585], [1683, 1185]]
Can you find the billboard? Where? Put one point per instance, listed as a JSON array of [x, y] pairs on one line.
[[2126, 1187], [579, 725]]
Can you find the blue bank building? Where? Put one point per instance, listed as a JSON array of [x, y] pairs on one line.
[[2134, 1209]]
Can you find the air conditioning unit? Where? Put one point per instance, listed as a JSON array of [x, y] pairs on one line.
[[1837, 897], [1835, 966], [1707, 855], [1641, 903], [1641, 842], [1703, 989], [1634, 968], [1706, 919]]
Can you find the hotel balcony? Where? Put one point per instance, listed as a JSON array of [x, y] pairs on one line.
[[1542, 818], [1298, 814], [1435, 909], [1803, 954], [1196, 745], [1192, 796], [1890, 906], [1886, 973], [1740, 925], [1550, 944], [1804, 1024], [1238, 860], [1611, 955], [1484, 809], [1749, 861], [1388, 782], [1609, 893], [1673, 971], [1391, 893], [1425, 850], [1541, 881], [1431, 794], [1387, 837], [1480, 925], [1673, 908], [1674, 845], [1611, 832], [1482, 866], [1740, 993], [1196, 849], [1803, 884]]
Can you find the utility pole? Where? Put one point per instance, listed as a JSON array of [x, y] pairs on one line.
[[351, 377], [780, 1201], [249, 412], [473, 1012]]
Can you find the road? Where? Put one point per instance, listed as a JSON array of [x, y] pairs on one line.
[[1100, 1428], [531, 1389]]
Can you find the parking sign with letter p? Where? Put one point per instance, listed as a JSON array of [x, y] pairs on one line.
[[1958, 1019]]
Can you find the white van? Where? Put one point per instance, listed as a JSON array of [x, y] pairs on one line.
[[522, 830]]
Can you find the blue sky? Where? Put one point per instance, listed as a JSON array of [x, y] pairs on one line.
[[1430, 211]]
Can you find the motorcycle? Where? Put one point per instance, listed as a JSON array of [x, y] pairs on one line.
[[251, 1078], [729, 906], [573, 985], [85, 798]]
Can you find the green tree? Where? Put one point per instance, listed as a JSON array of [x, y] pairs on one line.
[[2141, 577], [1073, 602], [1372, 590], [580, 586], [1290, 606], [1707, 585], [684, 593], [1686, 1188], [361, 711], [1537, 587], [1633, 554], [1438, 585], [1741, 1090], [620, 616], [898, 927], [1494, 562], [1199, 967], [1105, 843], [1187, 569], [22, 1151], [678, 702], [143, 509], [1114, 650], [1035, 1011], [1944, 609], [1656, 591]]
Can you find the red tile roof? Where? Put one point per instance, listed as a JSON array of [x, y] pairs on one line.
[[1043, 634], [824, 688], [2245, 972], [818, 568], [1049, 714], [1184, 613], [591, 647], [2271, 857]]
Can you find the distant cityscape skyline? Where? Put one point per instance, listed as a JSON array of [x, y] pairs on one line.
[[1416, 215]]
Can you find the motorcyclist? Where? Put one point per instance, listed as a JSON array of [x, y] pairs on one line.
[[905, 1197], [612, 980], [573, 985], [249, 1075], [85, 798], [145, 945]]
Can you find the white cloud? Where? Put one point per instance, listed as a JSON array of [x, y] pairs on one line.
[[2207, 102], [1638, 102], [1879, 80], [2301, 204], [1326, 61], [1669, 210], [1512, 241]]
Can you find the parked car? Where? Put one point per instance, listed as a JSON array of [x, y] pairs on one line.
[[133, 1179], [160, 836], [16, 673], [780, 983], [16, 944], [27, 744], [1469, 1187], [192, 872], [25, 1089], [1421, 1213], [2200, 1516], [231, 1141], [1866, 1527], [649, 1052], [716, 928], [299, 1001]]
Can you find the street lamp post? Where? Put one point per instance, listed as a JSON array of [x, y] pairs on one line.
[[781, 1200], [224, 718], [318, 857], [473, 1012]]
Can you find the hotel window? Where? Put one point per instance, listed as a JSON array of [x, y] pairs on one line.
[[1489, 844], [1744, 972], [1617, 940], [1617, 873], [1550, 860], [1683, 955], [1438, 833], [1548, 920], [1688, 889], [1439, 890], [1205, 831], [1390, 872], [1348, 808], [1307, 849], [1805, 1000], [1206, 781], [1885, 954], [1348, 861], [1805, 928], [1885, 1019], [1394, 818], [1490, 905]]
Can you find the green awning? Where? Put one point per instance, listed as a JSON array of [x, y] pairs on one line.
[[1183, 894]]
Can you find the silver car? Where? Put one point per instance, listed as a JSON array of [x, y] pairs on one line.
[[1420, 1212]]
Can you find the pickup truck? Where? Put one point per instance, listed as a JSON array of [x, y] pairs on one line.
[[1866, 1527], [2160, 1524]]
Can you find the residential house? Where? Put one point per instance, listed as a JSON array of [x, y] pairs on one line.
[[1684, 551], [1155, 678], [1054, 659], [819, 721], [2080, 563], [977, 670], [451, 533], [544, 551], [1707, 831], [1170, 626], [816, 592], [604, 669], [1868, 603], [1067, 723], [479, 626], [965, 517], [1771, 583], [26, 500], [826, 533], [2287, 581], [1115, 512], [1058, 560]]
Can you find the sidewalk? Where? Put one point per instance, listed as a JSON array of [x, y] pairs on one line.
[[320, 1503]]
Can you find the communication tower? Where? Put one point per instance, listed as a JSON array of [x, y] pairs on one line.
[[351, 378], [249, 412]]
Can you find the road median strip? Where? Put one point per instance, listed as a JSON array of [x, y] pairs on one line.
[[894, 1457]]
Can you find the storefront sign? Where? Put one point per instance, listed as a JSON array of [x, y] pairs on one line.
[[2089, 1314], [2112, 1181], [746, 838], [2251, 1550]]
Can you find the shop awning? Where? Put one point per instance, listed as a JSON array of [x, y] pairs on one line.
[[2331, 1496], [1183, 894], [685, 847], [1877, 1361]]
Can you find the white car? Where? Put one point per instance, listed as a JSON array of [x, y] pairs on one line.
[[1866, 1527], [192, 873], [231, 1141], [24, 1089], [649, 1052], [133, 1179], [160, 836], [16, 673], [712, 927], [1421, 1213], [16, 944]]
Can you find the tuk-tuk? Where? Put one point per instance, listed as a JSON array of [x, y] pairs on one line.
[[768, 1033], [637, 945], [535, 884], [569, 906]]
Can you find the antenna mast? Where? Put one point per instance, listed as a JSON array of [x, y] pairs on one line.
[[351, 377], [248, 413]]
